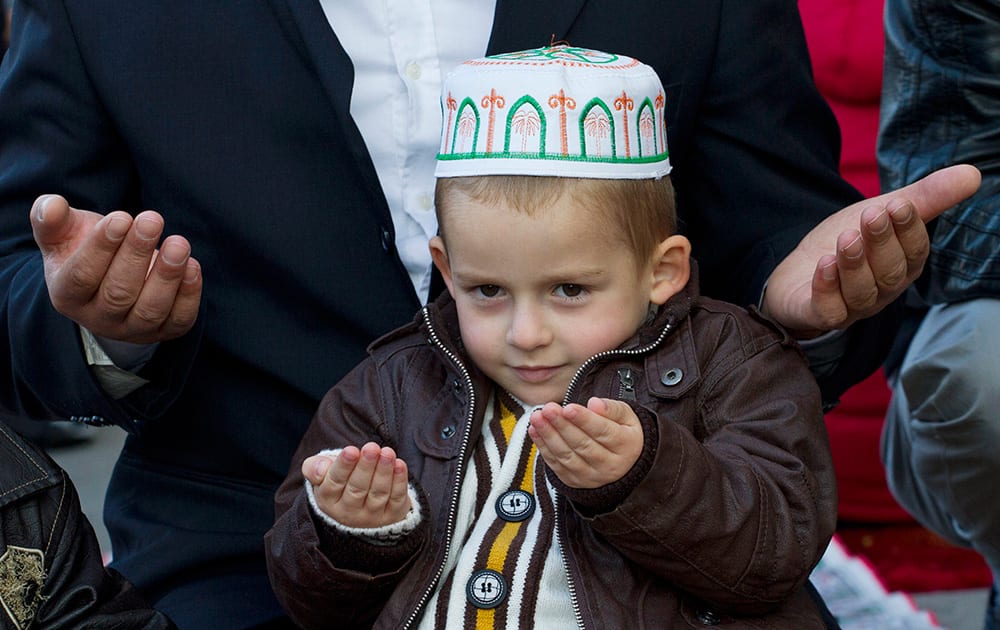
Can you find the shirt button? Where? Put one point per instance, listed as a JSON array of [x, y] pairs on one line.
[[515, 506], [425, 202], [413, 70], [486, 589]]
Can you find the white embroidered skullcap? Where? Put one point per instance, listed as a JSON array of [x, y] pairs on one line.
[[559, 110]]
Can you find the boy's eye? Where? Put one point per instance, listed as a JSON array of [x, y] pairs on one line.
[[489, 290], [569, 290]]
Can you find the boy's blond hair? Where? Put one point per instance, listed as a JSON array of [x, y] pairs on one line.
[[640, 212]]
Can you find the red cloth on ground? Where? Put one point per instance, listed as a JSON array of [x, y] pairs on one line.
[[855, 428]]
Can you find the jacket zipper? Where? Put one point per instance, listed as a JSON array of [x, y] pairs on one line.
[[453, 506], [612, 353], [627, 382]]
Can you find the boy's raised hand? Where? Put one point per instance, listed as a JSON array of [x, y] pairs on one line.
[[588, 447], [364, 488]]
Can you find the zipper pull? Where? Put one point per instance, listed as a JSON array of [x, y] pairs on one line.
[[626, 380]]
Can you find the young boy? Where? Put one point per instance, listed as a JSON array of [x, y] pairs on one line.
[[570, 436]]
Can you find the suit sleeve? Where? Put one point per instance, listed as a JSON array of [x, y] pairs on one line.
[[763, 169], [56, 137]]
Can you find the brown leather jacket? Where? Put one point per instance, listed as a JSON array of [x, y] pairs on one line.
[[720, 522]]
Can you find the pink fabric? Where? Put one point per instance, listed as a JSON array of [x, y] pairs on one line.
[[846, 46]]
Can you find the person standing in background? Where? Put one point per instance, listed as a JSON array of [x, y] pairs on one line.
[[941, 106]]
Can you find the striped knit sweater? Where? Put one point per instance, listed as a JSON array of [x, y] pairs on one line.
[[531, 587]]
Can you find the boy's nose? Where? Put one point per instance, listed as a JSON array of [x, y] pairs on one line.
[[528, 328]]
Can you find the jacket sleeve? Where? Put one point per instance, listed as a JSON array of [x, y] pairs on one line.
[[939, 107], [738, 510], [317, 572], [56, 137]]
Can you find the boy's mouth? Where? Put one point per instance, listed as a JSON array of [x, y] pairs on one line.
[[535, 374]]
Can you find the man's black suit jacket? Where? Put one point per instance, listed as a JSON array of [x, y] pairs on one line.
[[232, 120]]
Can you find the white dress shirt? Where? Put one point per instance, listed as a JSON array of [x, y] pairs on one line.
[[401, 50]]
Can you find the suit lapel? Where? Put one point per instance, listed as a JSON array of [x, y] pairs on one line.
[[523, 24], [306, 25]]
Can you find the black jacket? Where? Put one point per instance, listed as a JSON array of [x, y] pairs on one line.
[[51, 574], [939, 107]]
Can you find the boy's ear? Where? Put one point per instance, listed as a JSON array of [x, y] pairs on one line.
[[440, 257], [671, 268]]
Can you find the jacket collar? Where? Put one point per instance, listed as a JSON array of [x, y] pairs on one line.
[[25, 470]]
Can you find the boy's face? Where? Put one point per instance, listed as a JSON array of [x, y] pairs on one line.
[[539, 295]]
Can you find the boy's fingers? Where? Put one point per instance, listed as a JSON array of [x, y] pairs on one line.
[[616, 410], [399, 499], [314, 468], [360, 480], [382, 478]]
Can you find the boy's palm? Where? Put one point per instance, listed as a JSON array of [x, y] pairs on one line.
[[364, 488], [588, 447]]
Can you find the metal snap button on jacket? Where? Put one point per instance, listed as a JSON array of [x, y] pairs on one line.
[[486, 589], [708, 617], [672, 376], [515, 506]]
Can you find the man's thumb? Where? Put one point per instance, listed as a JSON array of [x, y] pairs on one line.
[[942, 189], [51, 220]]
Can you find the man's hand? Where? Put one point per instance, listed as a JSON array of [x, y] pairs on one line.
[[860, 259], [366, 487], [588, 447], [106, 273]]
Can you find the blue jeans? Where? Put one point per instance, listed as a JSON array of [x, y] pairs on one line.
[[941, 441]]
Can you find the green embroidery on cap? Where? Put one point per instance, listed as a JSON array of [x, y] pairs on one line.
[[560, 53], [526, 119], [598, 124]]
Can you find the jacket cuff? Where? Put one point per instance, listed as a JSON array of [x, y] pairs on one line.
[[374, 550], [385, 535], [593, 501]]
